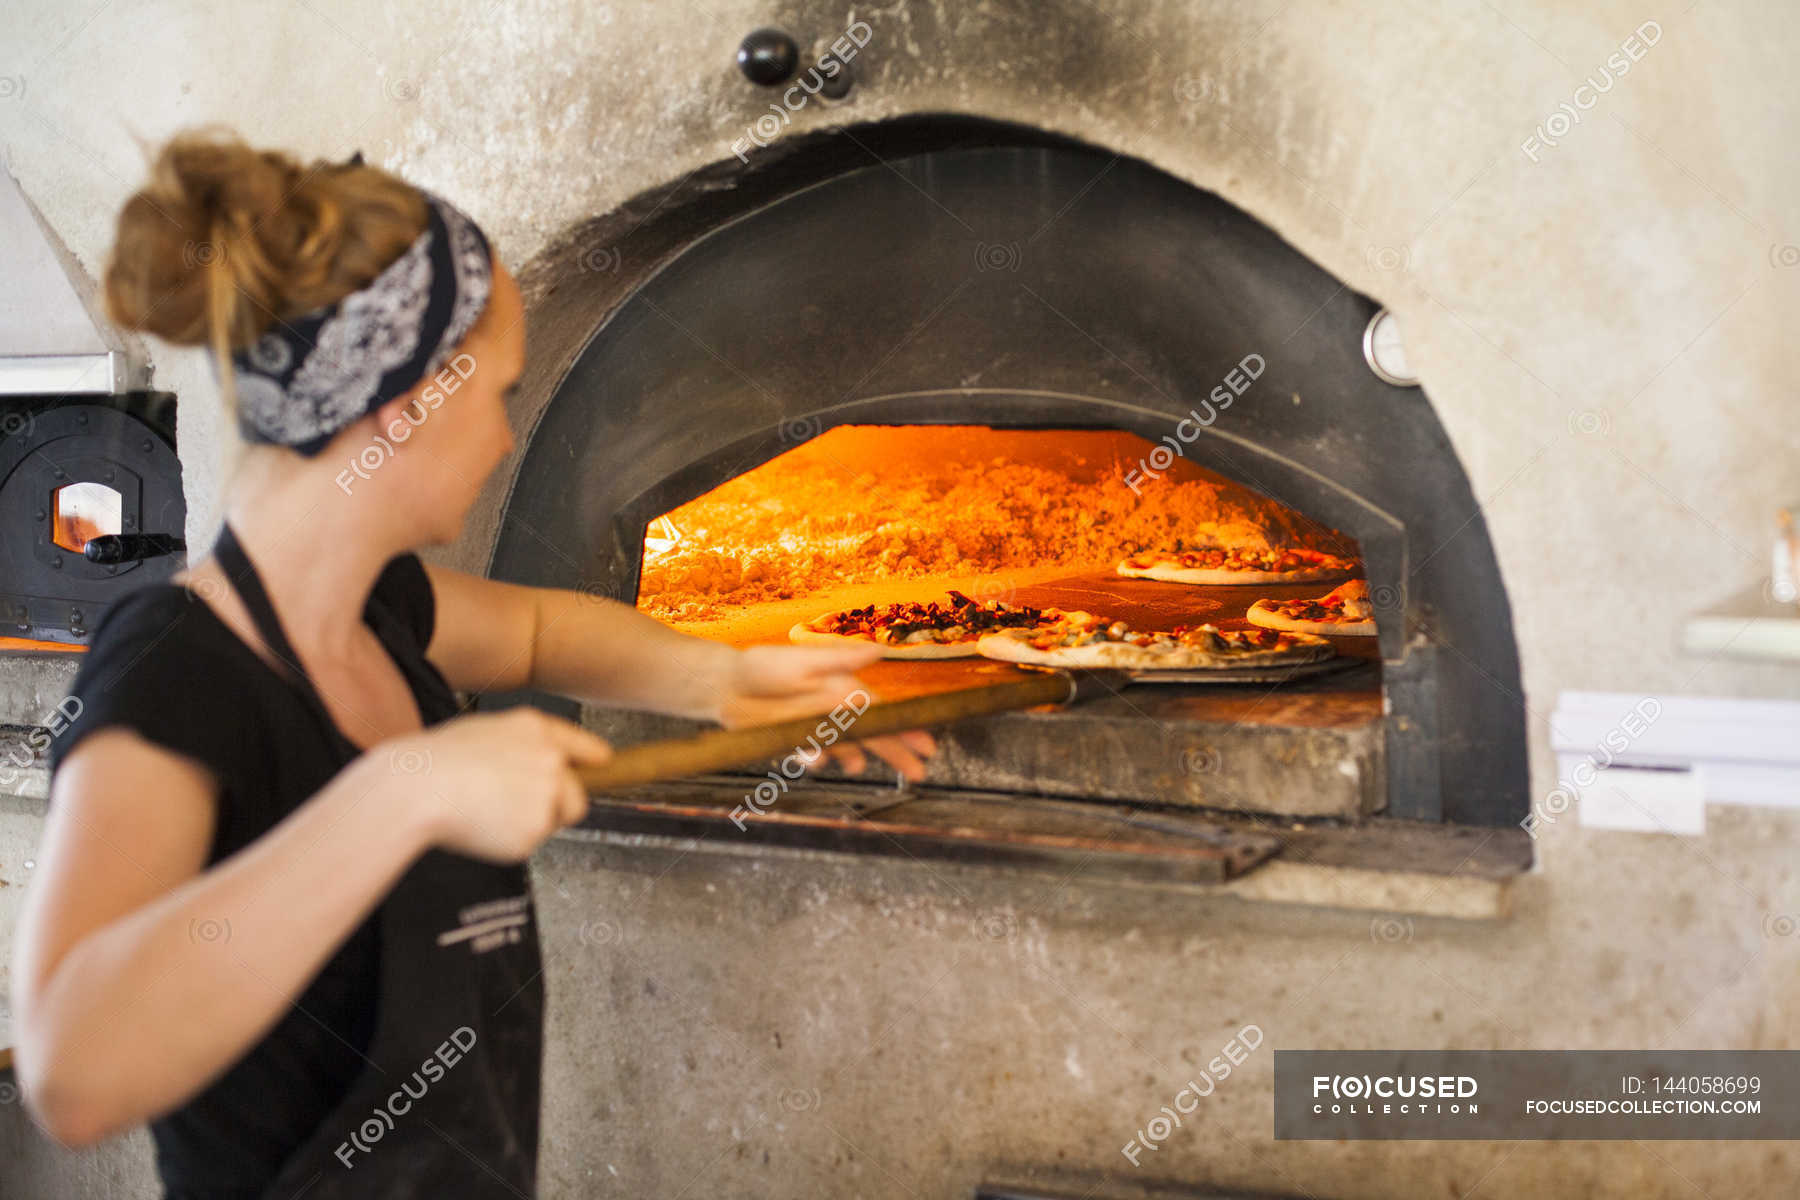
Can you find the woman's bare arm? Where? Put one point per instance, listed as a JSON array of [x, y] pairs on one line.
[[137, 977], [491, 636]]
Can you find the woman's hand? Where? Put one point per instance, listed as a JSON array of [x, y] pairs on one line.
[[493, 786], [761, 685]]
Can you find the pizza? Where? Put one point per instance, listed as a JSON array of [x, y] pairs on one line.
[[1084, 640], [1343, 611], [928, 630], [1218, 564]]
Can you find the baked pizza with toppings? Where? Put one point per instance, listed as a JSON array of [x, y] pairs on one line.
[[926, 630], [1084, 640], [1217, 564], [1341, 612]]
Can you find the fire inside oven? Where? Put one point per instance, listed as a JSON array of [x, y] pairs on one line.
[[876, 514], [868, 514]]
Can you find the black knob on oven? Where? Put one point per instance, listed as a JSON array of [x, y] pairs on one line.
[[768, 57]]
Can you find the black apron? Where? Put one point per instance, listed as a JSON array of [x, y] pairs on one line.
[[447, 1103]]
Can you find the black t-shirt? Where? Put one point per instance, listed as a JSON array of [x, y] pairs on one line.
[[163, 663]]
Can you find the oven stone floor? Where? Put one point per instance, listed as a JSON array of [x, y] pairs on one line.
[[1408, 868]]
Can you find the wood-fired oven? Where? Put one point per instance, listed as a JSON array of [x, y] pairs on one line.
[[938, 353]]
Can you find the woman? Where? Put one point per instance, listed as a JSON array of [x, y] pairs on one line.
[[280, 911]]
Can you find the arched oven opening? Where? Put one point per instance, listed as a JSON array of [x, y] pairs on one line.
[[941, 353]]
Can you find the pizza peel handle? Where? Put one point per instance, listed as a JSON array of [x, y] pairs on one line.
[[721, 749]]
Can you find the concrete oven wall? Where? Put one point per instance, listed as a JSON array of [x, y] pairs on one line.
[[1602, 324]]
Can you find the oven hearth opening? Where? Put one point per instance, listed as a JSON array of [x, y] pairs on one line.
[[989, 451], [872, 514], [1036, 518]]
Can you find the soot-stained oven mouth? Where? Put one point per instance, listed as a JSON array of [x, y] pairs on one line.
[[871, 515], [994, 366]]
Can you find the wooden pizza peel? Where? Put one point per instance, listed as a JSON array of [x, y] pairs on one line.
[[724, 749]]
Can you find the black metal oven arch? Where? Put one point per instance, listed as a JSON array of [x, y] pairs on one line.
[[1038, 285]]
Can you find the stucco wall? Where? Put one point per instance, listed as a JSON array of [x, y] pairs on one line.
[[1604, 332]]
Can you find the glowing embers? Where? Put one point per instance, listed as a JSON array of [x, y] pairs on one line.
[[868, 504], [81, 512]]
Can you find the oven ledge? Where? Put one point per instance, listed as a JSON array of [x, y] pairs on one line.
[[1380, 865], [1415, 868]]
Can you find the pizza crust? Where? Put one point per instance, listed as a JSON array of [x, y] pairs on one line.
[[804, 633], [1169, 573], [800, 633], [1014, 645], [1263, 613]]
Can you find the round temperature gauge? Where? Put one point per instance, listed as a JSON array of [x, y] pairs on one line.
[[1384, 352]]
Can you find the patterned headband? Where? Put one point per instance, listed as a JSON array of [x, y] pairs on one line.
[[309, 377]]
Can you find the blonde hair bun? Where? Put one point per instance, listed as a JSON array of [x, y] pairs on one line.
[[223, 240]]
